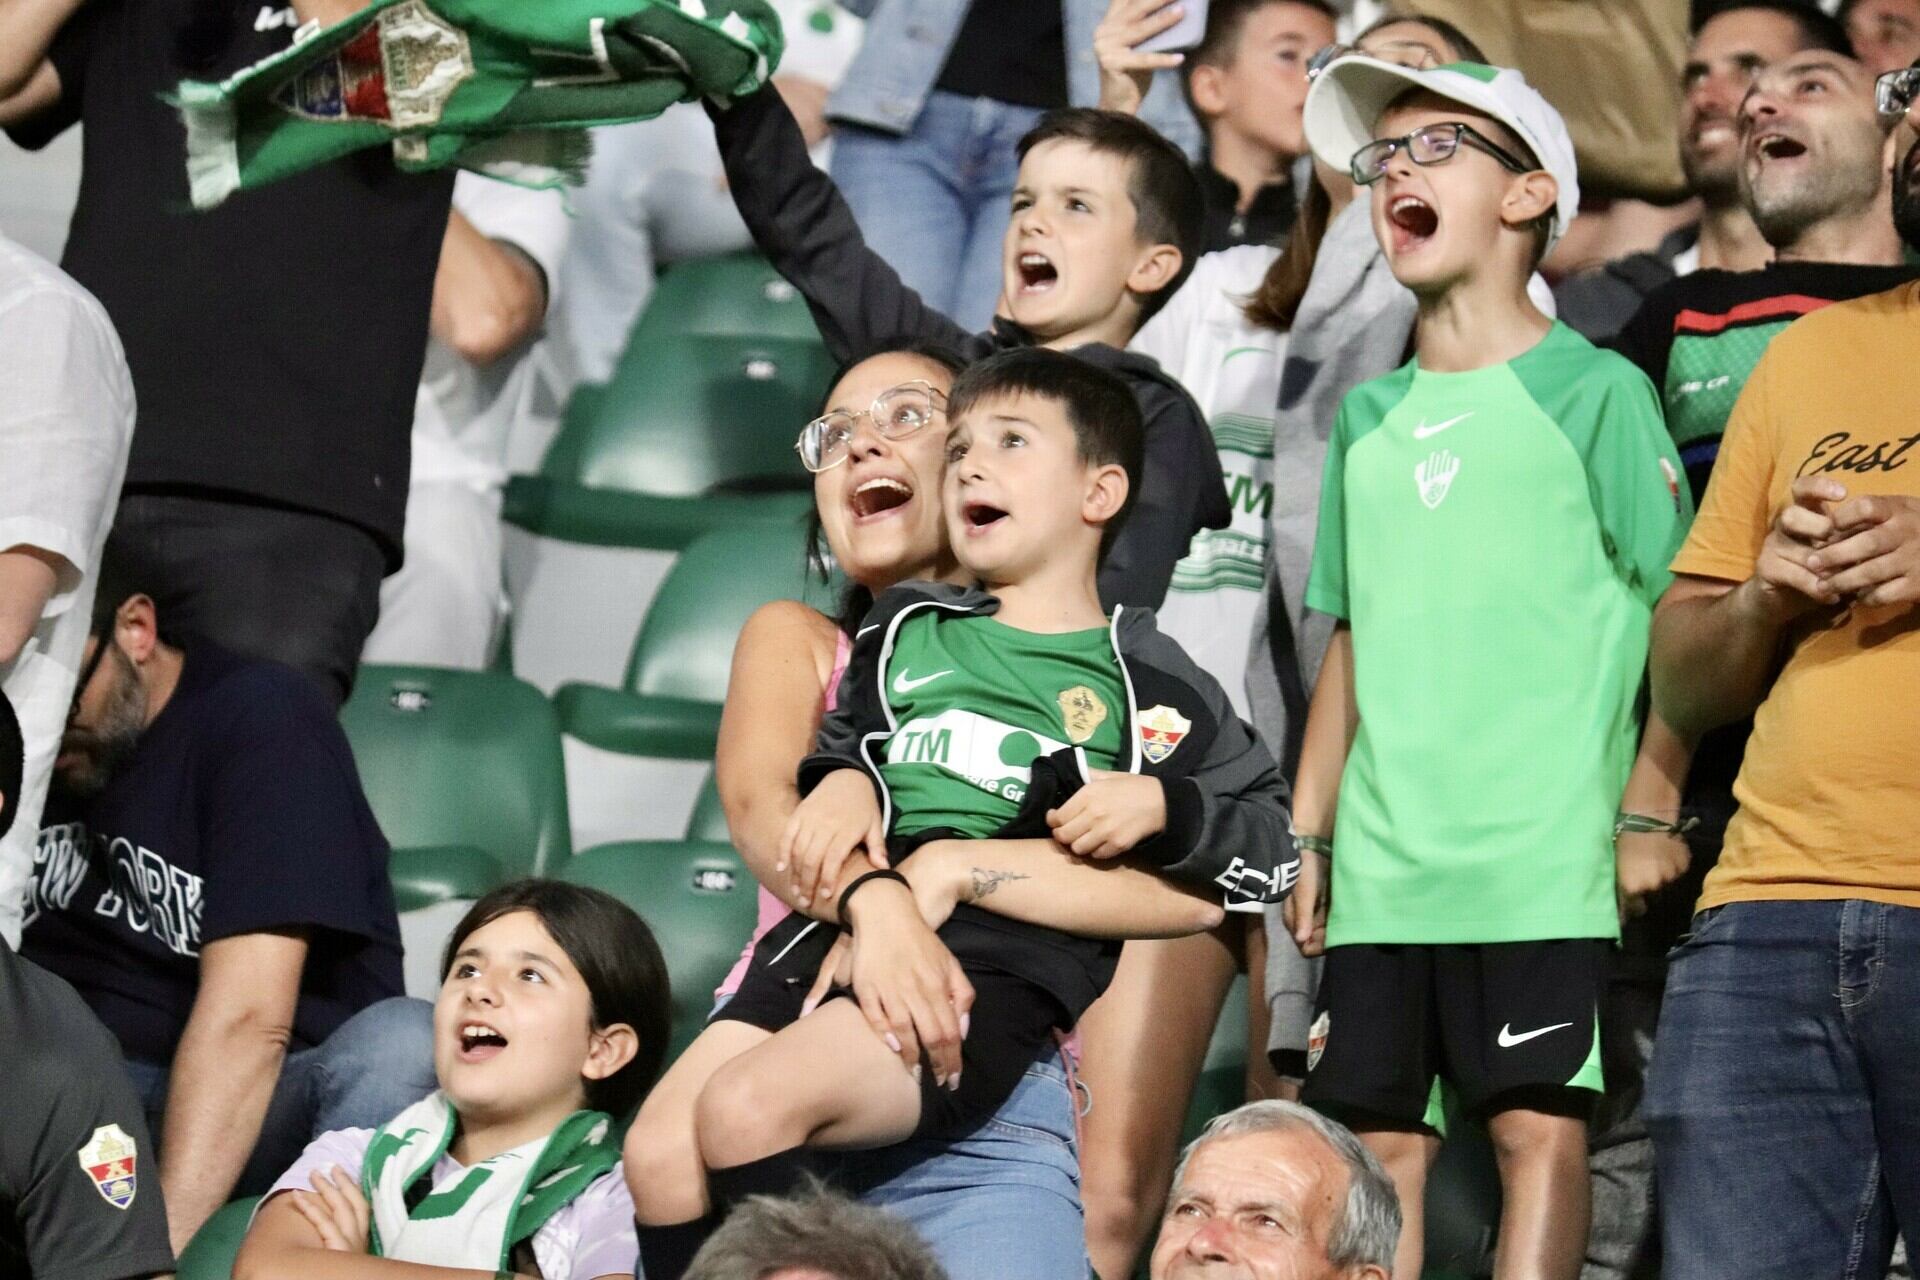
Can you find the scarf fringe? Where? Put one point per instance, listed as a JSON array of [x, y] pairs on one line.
[[536, 158], [213, 152]]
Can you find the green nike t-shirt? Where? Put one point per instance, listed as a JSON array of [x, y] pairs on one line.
[[1497, 540], [976, 701]]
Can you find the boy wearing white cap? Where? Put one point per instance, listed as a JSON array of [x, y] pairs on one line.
[[1495, 526]]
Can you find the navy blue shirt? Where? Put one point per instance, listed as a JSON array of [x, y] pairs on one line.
[[239, 812]]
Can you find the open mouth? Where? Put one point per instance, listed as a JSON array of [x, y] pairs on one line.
[[1037, 273], [981, 516], [479, 1042], [1414, 222], [879, 496], [1777, 146]]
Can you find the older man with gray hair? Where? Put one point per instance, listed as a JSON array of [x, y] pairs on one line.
[[1277, 1191]]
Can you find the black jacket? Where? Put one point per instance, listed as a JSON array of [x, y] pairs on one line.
[[1227, 828], [800, 221]]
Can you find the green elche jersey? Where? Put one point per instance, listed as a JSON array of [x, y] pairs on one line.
[[976, 701], [1497, 540]]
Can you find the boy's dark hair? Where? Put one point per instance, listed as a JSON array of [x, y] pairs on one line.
[[1817, 29], [13, 763], [618, 959], [1101, 409], [1226, 19], [855, 599], [1168, 206]]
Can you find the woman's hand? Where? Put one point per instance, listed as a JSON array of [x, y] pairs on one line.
[[1125, 74], [336, 1210], [908, 984], [1110, 815], [842, 814], [1644, 863]]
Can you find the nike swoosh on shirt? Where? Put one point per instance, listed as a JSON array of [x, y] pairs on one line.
[[1422, 431], [902, 684], [1508, 1039]]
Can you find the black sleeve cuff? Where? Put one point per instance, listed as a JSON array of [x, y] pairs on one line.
[[815, 768], [1186, 818]]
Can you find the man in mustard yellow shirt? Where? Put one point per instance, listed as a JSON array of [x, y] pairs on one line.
[[1784, 1098]]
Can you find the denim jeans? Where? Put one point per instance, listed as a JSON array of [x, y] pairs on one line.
[[375, 1065], [1003, 1203], [1784, 1097], [934, 201]]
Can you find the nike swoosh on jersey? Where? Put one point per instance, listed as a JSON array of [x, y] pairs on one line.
[[903, 685], [1508, 1039], [1422, 431]]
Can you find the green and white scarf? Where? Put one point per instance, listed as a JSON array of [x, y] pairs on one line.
[[507, 87], [481, 1213]]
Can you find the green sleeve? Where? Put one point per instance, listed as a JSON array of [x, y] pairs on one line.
[[1327, 579], [1639, 488]]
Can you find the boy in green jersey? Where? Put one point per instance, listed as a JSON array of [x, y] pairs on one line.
[[1495, 525], [1012, 711]]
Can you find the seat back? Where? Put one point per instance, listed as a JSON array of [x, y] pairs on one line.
[[709, 820], [721, 371], [452, 758], [685, 645], [210, 1254], [699, 900]]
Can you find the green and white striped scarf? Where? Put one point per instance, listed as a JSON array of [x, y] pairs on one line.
[[507, 87], [481, 1213]]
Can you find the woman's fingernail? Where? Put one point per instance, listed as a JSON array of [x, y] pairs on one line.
[[916, 1073], [966, 1020], [893, 1042], [954, 1083]]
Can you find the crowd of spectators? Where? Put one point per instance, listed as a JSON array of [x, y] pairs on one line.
[[1554, 779]]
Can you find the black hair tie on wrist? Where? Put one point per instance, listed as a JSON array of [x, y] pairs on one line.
[[846, 894]]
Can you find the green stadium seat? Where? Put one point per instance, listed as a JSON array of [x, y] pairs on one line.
[[210, 1254], [709, 821], [699, 900], [1222, 1085], [694, 430]]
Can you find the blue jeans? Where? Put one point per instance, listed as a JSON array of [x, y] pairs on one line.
[[1784, 1096], [1003, 1203], [375, 1065], [934, 201]]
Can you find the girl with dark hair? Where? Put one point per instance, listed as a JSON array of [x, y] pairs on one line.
[[551, 1023], [878, 457]]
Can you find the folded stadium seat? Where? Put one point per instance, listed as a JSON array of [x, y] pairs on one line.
[[696, 896], [693, 432], [636, 754], [210, 1254], [463, 770], [709, 820]]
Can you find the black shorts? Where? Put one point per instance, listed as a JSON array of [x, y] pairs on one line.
[[1010, 1021], [1392, 1021]]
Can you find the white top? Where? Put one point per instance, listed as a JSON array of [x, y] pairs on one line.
[[66, 420], [1232, 369], [462, 413]]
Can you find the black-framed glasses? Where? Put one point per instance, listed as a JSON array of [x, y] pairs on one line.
[[1434, 144], [87, 668], [897, 413], [1894, 92]]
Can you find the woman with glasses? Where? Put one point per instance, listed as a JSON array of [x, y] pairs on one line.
[[877, 454], [1267, 338]]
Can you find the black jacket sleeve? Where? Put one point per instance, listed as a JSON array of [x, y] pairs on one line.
[[1647, 339], [802, 224], [859, 708], [1182, 490]]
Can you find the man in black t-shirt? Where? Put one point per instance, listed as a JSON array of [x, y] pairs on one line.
[[210, 879], [73, 1142], [275, 342]]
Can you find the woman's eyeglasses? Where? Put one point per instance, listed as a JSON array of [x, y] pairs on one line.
[[1434, 144], [897, 413]]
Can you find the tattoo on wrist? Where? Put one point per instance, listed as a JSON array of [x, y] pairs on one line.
[[984, 882]]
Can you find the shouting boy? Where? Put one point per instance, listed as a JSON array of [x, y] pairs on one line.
[[1106, 225], [1495, 524], [1016, 709]]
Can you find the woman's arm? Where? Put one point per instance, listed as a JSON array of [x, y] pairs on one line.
[[1038, 882], [1332, 720], [781, 665]]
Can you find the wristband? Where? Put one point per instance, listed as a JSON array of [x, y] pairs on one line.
[[1643, 824], [1315, 844], [846, 894]]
